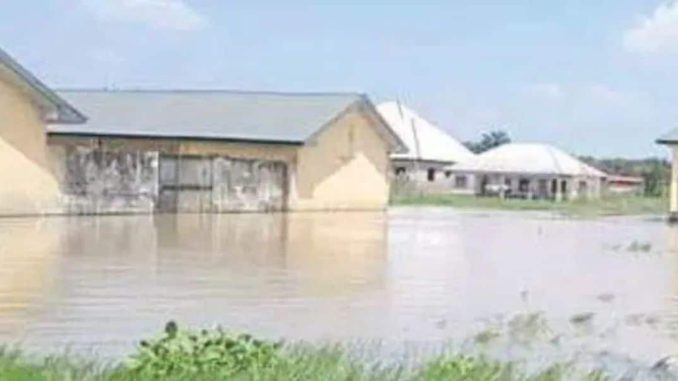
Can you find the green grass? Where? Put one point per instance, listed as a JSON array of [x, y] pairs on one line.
[[327, 364], [214, 355], [606, 206]]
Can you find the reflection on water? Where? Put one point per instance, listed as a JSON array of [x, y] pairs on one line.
[[27, 261], [425, 275]]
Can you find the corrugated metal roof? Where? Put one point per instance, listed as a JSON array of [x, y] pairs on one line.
[[63, 112], [528, 158], [424, 141], [669, 138], [220, 115]]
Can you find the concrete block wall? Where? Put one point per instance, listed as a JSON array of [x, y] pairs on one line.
[[95, 181], [100, 182]]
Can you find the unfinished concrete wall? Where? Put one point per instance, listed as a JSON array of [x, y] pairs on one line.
[[221, 184], [410, 177], [99, 182], [104, 177], [249, 185]]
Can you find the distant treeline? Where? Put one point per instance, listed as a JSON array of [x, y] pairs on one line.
[[654, 171]]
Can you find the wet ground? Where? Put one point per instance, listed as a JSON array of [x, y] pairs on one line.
[[412, 275]]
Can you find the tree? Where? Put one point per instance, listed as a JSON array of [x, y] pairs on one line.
[[654, 171], [656, 178], [488, 141]]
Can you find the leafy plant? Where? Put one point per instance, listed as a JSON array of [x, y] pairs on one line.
[[214, 352]]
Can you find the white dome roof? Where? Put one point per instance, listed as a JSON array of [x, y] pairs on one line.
[[529, 158], [424, 141]]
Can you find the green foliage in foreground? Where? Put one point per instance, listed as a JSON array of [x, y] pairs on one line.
[[606, 206], [215, 352], [217, 355], [318, 364]]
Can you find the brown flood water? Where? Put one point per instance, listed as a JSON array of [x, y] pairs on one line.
[[409, 275]]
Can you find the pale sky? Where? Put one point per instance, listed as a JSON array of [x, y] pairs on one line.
[[593, 77]]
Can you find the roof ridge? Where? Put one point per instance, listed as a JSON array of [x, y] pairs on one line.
[[208, 91], [553, 151]]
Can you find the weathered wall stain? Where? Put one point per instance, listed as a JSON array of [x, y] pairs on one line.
[[248, 185], [100, 181]]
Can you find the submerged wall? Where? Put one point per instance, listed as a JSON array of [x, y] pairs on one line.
[[100, 179], [345, 167], [27, 184], [95, 181]]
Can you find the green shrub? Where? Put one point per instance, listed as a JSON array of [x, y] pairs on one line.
[[214, 352]]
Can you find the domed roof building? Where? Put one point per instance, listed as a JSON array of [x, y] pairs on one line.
[[530, 170]]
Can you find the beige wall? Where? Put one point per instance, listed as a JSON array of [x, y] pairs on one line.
[[27, 184], [673, 192], [346, 167]]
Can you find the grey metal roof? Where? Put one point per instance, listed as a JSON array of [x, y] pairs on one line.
[[220, 115], [62, 111], [669, 138]]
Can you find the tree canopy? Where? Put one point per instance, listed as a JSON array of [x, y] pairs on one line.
[[488, 141]]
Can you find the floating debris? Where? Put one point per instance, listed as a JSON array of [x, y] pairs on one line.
[[639, 247], [524, 296], [640, 319], [582, 318], [606, 298], [528, 327], [486, 336], [635, 319]]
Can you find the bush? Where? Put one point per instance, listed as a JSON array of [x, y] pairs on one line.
[[215, 352]]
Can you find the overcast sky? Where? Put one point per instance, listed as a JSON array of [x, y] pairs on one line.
[[593, 77]]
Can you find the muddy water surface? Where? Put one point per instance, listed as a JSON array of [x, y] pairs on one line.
[[409, 275]]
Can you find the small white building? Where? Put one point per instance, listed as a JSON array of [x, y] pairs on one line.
[[528, 170], [430, 150]]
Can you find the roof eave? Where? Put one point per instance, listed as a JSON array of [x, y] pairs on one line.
[[397, 144], [670, 138], [64, 113], [363, 103], [95, 135], [666, 142], [529, 173]]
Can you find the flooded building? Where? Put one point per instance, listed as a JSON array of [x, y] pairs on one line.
[[429, 151], [90, 152], [671, 140], [530, 171]]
